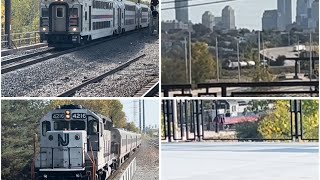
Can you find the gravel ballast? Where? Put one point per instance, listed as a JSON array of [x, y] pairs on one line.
[[54, 76], [147, 163]]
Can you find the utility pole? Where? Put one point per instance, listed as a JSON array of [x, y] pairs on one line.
[[140, 116], [217, 56], [7, 29], [310, 62], [144, 118], [186, 57], [238, 59], [190, 57], [135, 111], [264, 60], [259, 48]]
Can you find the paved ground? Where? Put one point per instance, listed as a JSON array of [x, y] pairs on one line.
[[239, 161]]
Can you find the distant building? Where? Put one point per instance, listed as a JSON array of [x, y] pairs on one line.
[[315, 15], [303, 6], [208, 20], [228, 18], [285, 10], [270, 20], [182, 14], [169, 25]]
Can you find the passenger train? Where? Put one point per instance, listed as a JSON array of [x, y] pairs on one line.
[[76, 143], [74, 22]]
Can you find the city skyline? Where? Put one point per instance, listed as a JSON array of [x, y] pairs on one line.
[[247, 15]]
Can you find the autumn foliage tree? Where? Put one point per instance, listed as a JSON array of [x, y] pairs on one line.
[[277, 125]]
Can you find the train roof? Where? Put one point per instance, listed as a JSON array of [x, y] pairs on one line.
[[123, 131]]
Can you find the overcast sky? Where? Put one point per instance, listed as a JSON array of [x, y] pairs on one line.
[[248, 13]]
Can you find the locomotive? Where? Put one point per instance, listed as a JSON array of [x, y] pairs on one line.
[[76, 143], [65, 23]]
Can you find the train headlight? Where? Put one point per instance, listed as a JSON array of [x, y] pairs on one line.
[[68, 114], [74, 29], [77, 137], [50, 137], [77, 175], [44, 29], [45, 176]]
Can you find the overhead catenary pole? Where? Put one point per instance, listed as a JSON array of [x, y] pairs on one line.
[[186, 56], [217, 56], [7, 29], [144, 118], [190, 57], [140, 115]]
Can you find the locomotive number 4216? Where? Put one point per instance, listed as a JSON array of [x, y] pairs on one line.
[[79, 115]]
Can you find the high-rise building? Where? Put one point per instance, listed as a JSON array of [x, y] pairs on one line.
[[270, 20], [208, 20], [302, 12], [228, 18], [315, 14], [285, 11], [182, 14]]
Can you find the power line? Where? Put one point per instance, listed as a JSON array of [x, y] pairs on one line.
[[200, 4]]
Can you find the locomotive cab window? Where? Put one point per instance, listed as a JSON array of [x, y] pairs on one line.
[[78, 125], [61, 125], [44, 12], [60, 12], [46, 126], [93, 127]]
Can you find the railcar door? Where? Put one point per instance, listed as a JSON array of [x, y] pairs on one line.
[[119, 20], [59, 18]]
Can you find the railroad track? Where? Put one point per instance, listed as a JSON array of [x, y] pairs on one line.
[[151, 90], [24, 62], [26, 56], [154, 142], [72, 91]]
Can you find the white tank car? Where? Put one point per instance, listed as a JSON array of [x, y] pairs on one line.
[[67, 22], [76, 143]]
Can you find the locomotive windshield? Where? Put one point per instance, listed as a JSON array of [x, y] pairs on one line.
[[46, 126], [73, 12], [69, 125], [45, 12]]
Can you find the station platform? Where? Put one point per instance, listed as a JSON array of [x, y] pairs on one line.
[[239, 161]]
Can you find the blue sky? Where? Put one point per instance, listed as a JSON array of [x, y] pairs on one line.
[[248, 12], [151, 108]]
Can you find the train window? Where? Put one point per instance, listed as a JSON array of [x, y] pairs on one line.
[[73, 12], [44, 12], [85, 16], [61, 125], [60, 12], [46, 126], [78, 125], [93, 127]]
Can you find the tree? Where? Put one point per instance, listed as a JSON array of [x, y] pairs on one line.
[[200, 30], [203, 63], [131, 126], [20, 121], [173, 71], [277, 124]]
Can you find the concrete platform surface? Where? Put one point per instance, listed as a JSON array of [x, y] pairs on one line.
[[239, 161]]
